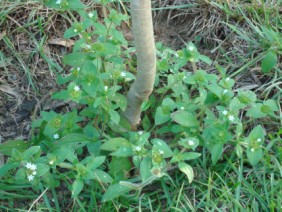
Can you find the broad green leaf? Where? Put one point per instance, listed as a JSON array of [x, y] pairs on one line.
[[124, 151], [102, 176], [161, 145], [145, 168], [190, 155], [41, 169], [72, 138], [186, 169], [205, 59], [76, 188], [7, 147], [189, 143], [76, 59], [7, 167], [161, 117], [95, 162], [115, 117], [31, 151], [185, 118], [114, 143], [115, 191], [119, 166], [216, 152], [256, 133], [268, 62], [254, 156]]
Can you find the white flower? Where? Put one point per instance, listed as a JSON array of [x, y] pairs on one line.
[[30, 177], [28, 165], [106, 88], [231, 118], [191, 143], [224, 112], [90, 15], [56, 136], [140, 132], [123, 74], [259, 140], [58, 2], [34, 173], [33, 167], [252, 149], [76, 88], [87, 46], [184, 77], [225, 91], [161, 152], [51, 162], [78, 69], [75, 30], [182, 108], [138, 148], [191, 48], [227, 79]]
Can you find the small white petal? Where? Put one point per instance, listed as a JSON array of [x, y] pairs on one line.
[[106, 88], [90, 15], [33, 167], [191, 48], [227, 79], [225, 91], [259, 140], [30, 177], [78, 69], [161, 152], [252, 149], [58, 2], [191, 143], [138, 148], [34, 173], [51, 162], [56, 136], [76, 88], [28, 165], [231, 118], [140, 132], [182, 108], [75, 30], [224, 112], [123, 74]]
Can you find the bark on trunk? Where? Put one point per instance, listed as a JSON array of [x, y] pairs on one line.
[[142, 87]]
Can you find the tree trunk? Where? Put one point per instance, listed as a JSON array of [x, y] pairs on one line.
[[142, 87]]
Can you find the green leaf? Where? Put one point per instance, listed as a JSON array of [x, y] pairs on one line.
[[161, 117], [185, 119], [114, 143], [216, 152], [254, 156], [190, 155], [268, 62], [256, 133], [186, 169], [7, 167], [119, 166], [76, 188], [161, 145], [70, 139], [145, 168], [102, 176], [95, 162], [7, 147], [76, 59], [115, 191], [31, 151], [114, 116], [123, 152], [205, 59], [41, 169]]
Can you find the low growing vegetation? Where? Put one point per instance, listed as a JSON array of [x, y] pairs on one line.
[[209, 136]]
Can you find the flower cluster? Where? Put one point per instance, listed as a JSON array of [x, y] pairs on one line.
[[31, 170]]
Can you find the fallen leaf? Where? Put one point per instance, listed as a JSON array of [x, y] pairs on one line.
[[62, 42]]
